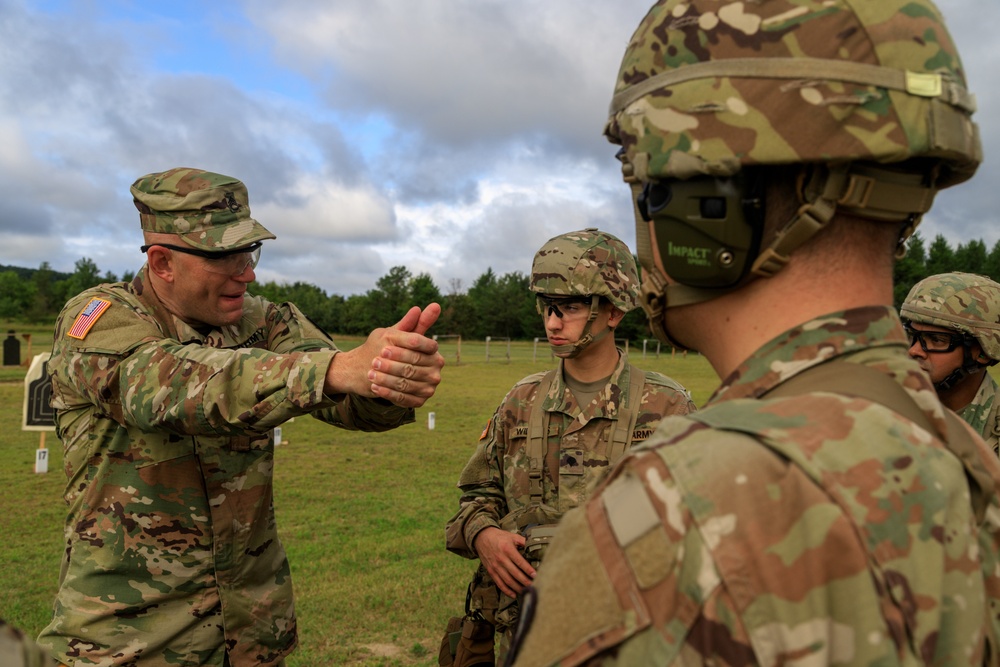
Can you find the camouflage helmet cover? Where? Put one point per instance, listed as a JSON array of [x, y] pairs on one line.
[[962, 302], [708, 87], [208, 211], [585, 263]]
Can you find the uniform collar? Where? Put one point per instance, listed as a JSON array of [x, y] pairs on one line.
[[560, 398], [809, 344], [978, 410]]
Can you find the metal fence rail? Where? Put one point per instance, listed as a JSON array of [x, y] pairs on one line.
[[502, 350]]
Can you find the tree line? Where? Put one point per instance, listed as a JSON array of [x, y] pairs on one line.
[[499, 306]]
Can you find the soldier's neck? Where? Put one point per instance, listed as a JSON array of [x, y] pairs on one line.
[[733, 327], [597, 361], [962, 393]]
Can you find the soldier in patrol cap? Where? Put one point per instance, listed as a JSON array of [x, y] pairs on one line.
[[953, 323], [556, 431], [166, 391], [822, 507]]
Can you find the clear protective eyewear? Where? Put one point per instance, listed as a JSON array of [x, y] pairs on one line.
[[567, 308], [225, 262], [934, 341]]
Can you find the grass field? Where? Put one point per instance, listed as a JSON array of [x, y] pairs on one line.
[[361, 515]]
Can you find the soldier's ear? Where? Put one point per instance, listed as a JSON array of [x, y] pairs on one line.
[[978, 355], [615, 317], [161, 263]]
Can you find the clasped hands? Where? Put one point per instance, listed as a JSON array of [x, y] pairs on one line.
[[397, 363]]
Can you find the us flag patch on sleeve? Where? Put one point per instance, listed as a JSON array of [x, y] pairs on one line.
[[88, 318]]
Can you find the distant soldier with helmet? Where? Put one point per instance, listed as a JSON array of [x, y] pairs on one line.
[[953, 324], [556, 432], [823, 508]]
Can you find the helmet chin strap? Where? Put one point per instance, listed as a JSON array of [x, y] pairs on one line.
[[573, 350], [968, 367]]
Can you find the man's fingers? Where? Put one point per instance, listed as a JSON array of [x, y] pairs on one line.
[[515, 581], [410, 320], [418, 367], [419, 321], [509, 578], [410, 348], [509, 590], [428, 317]]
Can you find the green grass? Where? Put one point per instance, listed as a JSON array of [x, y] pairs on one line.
[[361, 515]]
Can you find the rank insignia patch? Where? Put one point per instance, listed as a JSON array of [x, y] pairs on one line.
[[88, 318]]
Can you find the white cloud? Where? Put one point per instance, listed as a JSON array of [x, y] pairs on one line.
[[448, 136], [318, 209]]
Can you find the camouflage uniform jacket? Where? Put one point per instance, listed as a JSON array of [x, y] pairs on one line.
[[495, 480], [172, 554], [981, 413], [812, 529]]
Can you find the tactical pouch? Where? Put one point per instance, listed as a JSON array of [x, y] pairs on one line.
[[449, 643], [536, 541], [482, 598], [475, 646]]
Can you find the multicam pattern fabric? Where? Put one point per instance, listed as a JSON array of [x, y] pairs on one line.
[[810, 529], [586, 263], [960, 301], [172, 553], [208, 211], [982, 413], [495, 483], [18, 650], [707, 87]]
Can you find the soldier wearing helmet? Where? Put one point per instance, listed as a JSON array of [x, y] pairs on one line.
[[953, 324], [556, 431], [822, 507]]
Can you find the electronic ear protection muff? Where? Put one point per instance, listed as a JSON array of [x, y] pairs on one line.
[[707, 230]]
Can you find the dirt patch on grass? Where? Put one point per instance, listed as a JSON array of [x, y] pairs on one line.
[[384, 650]]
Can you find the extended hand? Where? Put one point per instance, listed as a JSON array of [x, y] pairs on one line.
[[398, 363], [498, 551]]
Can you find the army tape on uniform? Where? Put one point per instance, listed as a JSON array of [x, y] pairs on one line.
[[920, 84]]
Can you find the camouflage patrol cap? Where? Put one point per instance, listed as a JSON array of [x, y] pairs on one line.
[[961, 302], [585, 263], [709, 87], [207, 210]]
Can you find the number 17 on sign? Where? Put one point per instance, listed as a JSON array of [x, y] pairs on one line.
[[41, 455]]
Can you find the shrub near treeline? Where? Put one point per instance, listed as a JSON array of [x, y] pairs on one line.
[[499, 306]]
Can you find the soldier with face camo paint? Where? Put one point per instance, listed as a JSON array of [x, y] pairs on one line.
[[953, 324], [823, 507], [167, 390], [556, 432]]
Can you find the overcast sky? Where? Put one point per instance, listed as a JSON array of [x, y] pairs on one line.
[[448, 136]]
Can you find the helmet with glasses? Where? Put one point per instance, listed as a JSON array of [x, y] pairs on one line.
[[573, 271], [964, 303], [866, 101]]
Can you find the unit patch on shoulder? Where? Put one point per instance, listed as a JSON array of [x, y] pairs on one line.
[[88, 318]]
